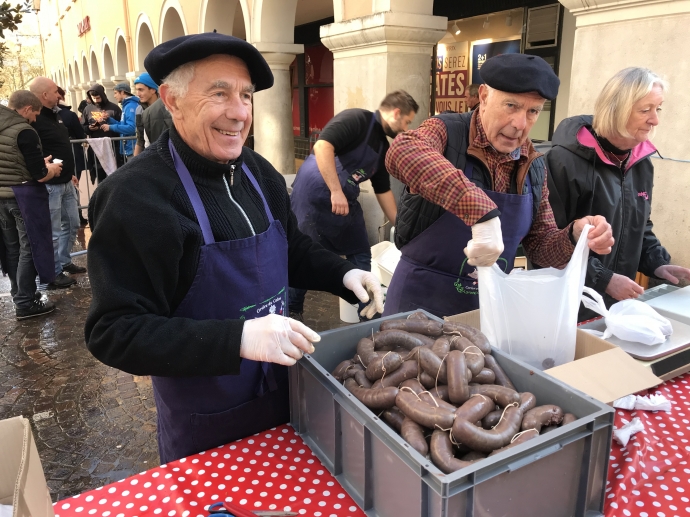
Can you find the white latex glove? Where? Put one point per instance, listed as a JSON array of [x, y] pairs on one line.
[[486, 244], [367, 288], [276, 339]]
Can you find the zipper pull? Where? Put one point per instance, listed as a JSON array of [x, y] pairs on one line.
[[232, 175]]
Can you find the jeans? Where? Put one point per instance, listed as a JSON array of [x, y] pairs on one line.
[[20, 263], [296, 296], [64, 216]]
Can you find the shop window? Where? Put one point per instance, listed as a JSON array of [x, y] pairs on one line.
[[312, 94]]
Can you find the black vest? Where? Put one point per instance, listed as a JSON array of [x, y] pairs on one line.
[[416, 214]]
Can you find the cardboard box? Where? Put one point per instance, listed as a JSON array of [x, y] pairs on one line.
[[22, 483], [600, 369]]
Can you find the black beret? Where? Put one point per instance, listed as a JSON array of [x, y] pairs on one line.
[[520, 73], [167, 56]]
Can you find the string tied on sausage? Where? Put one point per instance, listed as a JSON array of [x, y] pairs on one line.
[[411, 391], [473, 353], [432, 397], [439, 371], [383, 365], [521, 433], [482, 395], [361, 362], [513, 404]]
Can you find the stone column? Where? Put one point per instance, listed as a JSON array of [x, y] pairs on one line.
[[129, 77], [273, 137], [108, 85], [652, 35]]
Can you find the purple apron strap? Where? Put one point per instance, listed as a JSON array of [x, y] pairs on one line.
[[193, 194], [251, 177]]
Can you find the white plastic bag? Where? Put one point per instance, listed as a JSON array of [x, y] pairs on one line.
[[630, 320], [532, 315]]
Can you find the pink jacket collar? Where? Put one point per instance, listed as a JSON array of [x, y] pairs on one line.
[[639, 152]]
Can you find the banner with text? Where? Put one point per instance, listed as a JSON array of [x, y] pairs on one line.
[[452, 66], [483, 51]]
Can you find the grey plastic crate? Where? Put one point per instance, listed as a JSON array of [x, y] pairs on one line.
[[561, 473]]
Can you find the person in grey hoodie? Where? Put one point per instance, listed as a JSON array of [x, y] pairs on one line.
[[600, 165]]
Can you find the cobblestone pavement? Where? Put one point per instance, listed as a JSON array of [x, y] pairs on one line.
[[93, 424]]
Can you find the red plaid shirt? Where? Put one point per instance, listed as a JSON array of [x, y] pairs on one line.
[[416, 158]]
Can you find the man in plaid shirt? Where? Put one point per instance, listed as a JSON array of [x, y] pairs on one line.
[[476, 189]]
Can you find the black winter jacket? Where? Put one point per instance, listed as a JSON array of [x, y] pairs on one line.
[[582, 181], [106, 108], [55, 141]]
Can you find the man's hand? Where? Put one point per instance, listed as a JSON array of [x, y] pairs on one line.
[[486, 244], [622, 288], [276, 339], [94, 127], [105, 127], [600, 237], [339, 204], [367, 288], [54, 169], [75, 181], [673, 274]]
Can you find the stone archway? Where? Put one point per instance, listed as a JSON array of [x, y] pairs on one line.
[[171, 25], [85, 75], [121, 57], [95, 69], [145, 44], [108, 64], [225, 16]]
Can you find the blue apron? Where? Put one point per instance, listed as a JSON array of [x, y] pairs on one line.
[[433, 273], [236, 279], [311, 199]]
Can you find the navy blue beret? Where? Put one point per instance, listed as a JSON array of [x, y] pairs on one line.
[[520, 73], [168, 56]]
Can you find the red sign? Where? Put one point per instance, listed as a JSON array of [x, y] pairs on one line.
[[84, 26]]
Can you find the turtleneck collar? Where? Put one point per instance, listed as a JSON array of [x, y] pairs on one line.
[[197, 164]]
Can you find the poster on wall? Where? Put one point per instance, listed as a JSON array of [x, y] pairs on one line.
[[483, 51], [452, 66]]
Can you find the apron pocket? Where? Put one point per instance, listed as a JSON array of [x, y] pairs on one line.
[[254, 416]]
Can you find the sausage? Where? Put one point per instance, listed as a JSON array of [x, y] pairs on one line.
[[568, 418], [340, 370], [376, 385], [490, 420], [527, 401], [474, 335], [527, 435], [473, 356], [473, 456], [432, 400], [365, 350], [361, 378], [393, 338], [426, 340], [440, 392], [393, 417], [427, 380], [458, 391], [548, 429], [442, 453], [407, 370], [352, 370], [422, 413], [383, 398], [386, 364], [475, 408], [414, 385], [431, 328], [485, 376], [500, 395], [433, 365], [418, 316], [413, 433], [501, 377], [542, 416], [483, 440], [441, 347]]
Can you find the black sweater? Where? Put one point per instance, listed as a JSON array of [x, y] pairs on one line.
[[144, 251], [55, 140]]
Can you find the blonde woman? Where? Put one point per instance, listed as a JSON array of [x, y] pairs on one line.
[[600, 165]]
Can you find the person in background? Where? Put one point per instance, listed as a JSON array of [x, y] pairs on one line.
[[600, 165], [473, 97], [475, 190], [147, 91], [22, 159], [351, 149], [62, 192], [81, 107], [127, 124], [96, 114]]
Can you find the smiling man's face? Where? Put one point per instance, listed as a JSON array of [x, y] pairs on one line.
[[215, 115]]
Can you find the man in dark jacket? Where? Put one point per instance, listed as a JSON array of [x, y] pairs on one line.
[[21, 160], [62, 189], [193, 246], [96, 114], [76, 132]]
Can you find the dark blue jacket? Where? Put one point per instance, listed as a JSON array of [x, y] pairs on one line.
[[127, 125]]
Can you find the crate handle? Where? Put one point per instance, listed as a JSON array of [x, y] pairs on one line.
[[534, 457]]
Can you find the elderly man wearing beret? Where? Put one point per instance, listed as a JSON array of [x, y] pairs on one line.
[[193, 247], [476, 189]]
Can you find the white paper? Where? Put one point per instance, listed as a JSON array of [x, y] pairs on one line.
[[652, 403], [5, 510], [623, 434], [627, 402]]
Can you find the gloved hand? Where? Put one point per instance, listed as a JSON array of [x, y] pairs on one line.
[[367, 288], [276, 339], [486, 244]]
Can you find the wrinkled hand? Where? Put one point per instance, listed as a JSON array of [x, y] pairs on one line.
[[105, 127], [600, 237], [673, 274], [339, 204], [276, 339], [486, 244], [622, 288], [367, 288]]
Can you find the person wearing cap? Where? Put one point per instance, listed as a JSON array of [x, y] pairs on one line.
[[127, 124], [475, 189], [194, 245], [152, 117]]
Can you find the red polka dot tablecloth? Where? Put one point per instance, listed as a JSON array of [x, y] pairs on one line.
[[650, 477], [273, 470]]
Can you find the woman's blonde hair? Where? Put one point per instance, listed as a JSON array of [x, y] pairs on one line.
[[615, 102]]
